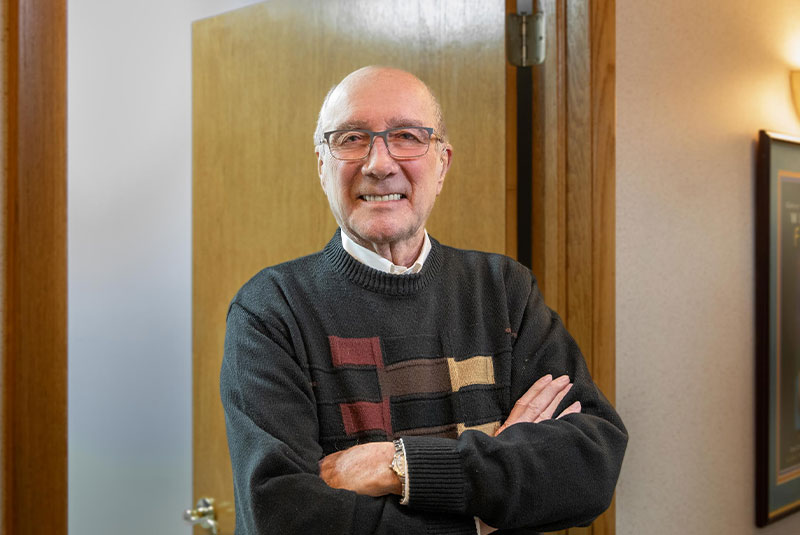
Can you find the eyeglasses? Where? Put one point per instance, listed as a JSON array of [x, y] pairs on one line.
[[403, 143]]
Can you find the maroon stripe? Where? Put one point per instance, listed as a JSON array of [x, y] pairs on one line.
[[365, 416], [356, 351]]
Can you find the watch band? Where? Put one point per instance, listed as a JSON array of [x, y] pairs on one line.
[[400, 467]]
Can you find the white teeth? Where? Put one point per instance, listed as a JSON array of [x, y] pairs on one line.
[[375, 198]]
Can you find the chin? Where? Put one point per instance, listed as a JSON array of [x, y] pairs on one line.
[[384, 235]]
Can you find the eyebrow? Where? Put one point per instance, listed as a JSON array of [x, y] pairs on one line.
[[392, 122]]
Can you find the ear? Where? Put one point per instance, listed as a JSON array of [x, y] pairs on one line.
[[320, 163], [445, 159]]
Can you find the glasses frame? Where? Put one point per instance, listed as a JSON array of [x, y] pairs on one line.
[[382, 134]]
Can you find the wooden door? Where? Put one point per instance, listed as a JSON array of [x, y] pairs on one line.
[[260, 75]]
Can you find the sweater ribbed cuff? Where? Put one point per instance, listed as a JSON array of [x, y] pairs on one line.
[[435, 475], [450, 525]]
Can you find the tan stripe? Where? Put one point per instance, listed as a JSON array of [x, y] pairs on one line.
[[472, 371], [488, 428]]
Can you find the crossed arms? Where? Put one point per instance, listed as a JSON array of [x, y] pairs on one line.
[[365, 468], [536, 473]]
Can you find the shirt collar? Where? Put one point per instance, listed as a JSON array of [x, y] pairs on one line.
[[376, 261]]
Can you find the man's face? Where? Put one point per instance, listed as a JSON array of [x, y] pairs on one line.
[[377, 100]]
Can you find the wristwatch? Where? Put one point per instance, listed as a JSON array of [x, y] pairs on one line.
[[400, 468]]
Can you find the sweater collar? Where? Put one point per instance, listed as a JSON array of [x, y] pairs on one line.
[[376, 261], [377, 281]]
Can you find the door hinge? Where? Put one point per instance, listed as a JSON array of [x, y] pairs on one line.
[[525, 40]]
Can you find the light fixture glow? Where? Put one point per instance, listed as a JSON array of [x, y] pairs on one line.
[[794, 77], [792, 51]]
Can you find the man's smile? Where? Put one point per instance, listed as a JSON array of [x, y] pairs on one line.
[[382, 198]]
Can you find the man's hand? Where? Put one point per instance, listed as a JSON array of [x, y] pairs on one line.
[[537, 404], [484, 528], [365, 469], [540, 402]]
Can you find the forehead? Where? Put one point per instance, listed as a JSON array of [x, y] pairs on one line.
[[380, 100]]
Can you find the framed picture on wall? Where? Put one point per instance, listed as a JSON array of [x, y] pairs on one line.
[[777, 327]]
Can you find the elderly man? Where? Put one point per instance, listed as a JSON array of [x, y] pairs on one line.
[[390, 384]]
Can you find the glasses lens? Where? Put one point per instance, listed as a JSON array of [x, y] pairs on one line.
[[408, 142], [349, 144], [405, 142]]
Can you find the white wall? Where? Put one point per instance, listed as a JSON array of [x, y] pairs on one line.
[[695, 83], [130, 263]]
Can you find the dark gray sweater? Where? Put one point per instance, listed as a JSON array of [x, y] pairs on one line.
[[322, 353]]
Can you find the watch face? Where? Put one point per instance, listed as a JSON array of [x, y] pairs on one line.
[[399, 465]]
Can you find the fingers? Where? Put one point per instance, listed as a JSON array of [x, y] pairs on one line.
[[537, 400], [572, 409], [527, 398], [485, 528], [548, 412], [535, 389]]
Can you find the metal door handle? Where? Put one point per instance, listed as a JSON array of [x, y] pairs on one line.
[[203, 515]]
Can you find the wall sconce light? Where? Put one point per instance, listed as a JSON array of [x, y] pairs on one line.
[[794, 77]]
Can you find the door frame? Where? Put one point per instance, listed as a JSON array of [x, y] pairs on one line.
[[573, 204], [33, 195], [33, 473]]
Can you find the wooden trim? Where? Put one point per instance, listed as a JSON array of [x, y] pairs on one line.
[[3, 255], [579, 193], [602, 31], [549, 171], [578, 313], [511, 150], [574, 185], [34, 348], [604, 187]]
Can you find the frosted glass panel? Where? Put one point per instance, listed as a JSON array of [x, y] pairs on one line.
[[130, 263]]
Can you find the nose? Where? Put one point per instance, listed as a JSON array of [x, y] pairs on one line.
[[379, 163]]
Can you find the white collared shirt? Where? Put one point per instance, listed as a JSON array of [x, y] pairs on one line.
[[376, 261]]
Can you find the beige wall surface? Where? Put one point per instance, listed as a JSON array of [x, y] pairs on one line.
[[695, 83]]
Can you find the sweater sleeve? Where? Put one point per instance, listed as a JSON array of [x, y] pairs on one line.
[[272, 428], [543, 476]]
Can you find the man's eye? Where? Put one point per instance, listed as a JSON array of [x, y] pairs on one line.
[[351, 138], [406, 135]]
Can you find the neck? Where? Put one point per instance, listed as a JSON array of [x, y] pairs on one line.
[[343, 263], [400, 253]]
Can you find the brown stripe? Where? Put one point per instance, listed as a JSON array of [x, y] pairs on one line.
[[419, 376], [472, 371], [441, 431]]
